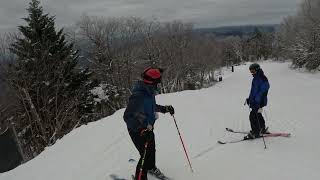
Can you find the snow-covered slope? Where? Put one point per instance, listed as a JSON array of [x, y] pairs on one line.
[[95, 151]]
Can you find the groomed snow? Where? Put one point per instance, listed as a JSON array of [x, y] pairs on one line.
[[96, 150]]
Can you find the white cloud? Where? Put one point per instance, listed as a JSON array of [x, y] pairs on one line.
[[201, 12]]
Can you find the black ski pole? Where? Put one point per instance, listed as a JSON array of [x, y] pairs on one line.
[[143, 159], [264, 142], [257, 118]]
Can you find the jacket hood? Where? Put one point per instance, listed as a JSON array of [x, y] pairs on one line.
[[140, 86], [259, 73]]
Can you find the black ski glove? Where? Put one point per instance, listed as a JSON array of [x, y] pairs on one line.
[[170, 109], [247, 101], [146, 134]]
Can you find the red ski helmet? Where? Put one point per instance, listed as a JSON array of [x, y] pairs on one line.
[[152, 75]]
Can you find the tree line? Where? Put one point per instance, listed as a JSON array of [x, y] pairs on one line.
[[54, 80], [298, 38]]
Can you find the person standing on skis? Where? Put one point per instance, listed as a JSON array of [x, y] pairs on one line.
[[140, 116], [257, 100]]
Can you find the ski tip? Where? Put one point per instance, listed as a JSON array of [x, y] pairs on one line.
[[220, 142], [116, 177], [113, 176], [131, 160], [228, 129]]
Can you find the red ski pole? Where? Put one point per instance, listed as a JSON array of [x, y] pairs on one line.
[[185, 151], [142, 161]]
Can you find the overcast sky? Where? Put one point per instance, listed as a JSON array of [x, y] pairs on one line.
[[203, 13]]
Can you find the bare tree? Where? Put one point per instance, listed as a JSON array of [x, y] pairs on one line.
[[137, 43], [300, 35]]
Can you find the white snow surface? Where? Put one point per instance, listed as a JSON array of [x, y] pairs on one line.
[[96, 150]]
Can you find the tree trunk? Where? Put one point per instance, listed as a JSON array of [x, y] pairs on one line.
[[35, 114]]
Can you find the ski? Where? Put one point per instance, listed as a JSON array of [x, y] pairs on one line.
[[116, 177], [133, 178], [161, 178], [232, 141], [239, 132], [243, 132], [265, 135], [153, 175]]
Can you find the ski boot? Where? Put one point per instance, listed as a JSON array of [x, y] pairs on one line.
[[157, 173], [251, 135], [265, 130]]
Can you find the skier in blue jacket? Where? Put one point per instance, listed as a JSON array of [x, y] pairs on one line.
[[257, 100], [140, 116]]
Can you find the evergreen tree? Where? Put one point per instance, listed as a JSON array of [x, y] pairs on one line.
[[52, 90]]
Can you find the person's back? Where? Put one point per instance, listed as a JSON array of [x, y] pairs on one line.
[[140, 109], [140, 118]]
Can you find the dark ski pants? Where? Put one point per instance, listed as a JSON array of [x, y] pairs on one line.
[[257, 122], [150, 159]]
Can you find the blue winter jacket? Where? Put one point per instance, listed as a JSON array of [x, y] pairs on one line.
[[141, 109], [259, 90]]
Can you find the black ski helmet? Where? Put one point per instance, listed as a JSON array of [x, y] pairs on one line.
[[254, 66]]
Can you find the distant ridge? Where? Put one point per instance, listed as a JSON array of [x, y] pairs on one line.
[[236, 30]]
